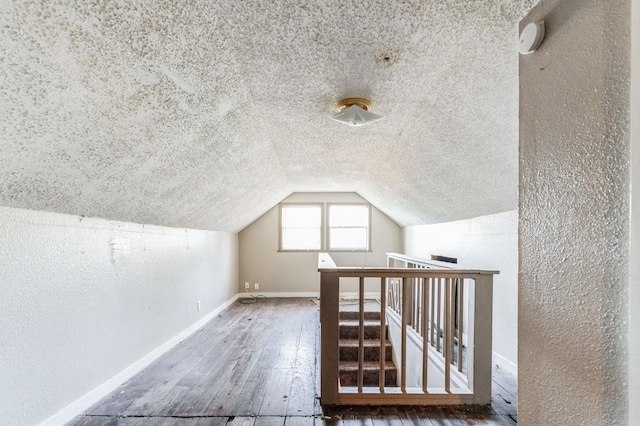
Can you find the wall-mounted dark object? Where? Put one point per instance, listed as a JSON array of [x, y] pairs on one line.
[[444, 258]]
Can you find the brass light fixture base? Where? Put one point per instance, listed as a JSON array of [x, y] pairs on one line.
[[365, 104]]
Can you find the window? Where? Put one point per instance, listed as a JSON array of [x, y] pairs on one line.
[[301, 227], [349, 227]]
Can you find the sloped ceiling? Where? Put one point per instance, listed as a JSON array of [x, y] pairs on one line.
[[205, 114]]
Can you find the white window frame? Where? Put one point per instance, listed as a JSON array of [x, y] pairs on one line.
[[322, 226], [329, 227]]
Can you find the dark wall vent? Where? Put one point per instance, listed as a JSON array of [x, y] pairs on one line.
[[444, 258]]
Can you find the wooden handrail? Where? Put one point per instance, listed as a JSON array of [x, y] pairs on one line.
[[396, 272]]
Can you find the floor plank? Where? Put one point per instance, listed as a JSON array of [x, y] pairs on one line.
[[269, 421], [212, 421], [242, 421], [258, 365], [299, 421], [94, 421]]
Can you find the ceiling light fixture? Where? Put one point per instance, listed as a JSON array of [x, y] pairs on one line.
[[355, 112]]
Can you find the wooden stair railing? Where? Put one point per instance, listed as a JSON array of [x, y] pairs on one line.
[[428, 303]]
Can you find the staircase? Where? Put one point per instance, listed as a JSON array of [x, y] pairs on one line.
[[348, 365]]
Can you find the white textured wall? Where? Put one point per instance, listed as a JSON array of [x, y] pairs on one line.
[[287, 272], [486, 242], [72, 315], [634, 285], [574, 216]]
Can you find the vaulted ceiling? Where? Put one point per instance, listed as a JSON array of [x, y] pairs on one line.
[[205, 114]]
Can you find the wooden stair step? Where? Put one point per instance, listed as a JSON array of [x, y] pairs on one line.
[[370, 365], [350, 329], [348, 373], [349, 350], [355, 315]]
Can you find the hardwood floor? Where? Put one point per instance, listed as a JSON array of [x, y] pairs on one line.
[[256, 365]]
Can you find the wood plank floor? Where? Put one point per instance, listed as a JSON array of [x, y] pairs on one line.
[[257, 365]]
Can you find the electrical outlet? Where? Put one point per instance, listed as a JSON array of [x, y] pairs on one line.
[[198, 305], [246, 286], [256, 286]]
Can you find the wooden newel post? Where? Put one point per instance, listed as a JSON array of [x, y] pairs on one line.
[[482, 335], [329, 352]]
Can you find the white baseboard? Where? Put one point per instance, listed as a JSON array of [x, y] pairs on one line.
[[81, 405], [505, 363], [355, 295], [273, 294]]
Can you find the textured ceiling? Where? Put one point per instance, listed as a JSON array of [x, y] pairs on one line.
[[205, 114]]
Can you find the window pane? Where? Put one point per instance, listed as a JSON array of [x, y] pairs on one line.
[[348, 238], [348, 216], [301, 239], [301, 227], [301, 216]]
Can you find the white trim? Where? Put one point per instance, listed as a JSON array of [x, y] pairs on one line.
[[284, 294], [505, 363], [354, 295], [85, 402], [350, 295]]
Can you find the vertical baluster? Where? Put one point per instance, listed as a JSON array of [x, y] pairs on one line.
[[361, 338], [425, 335], [412, 301], [447, 344], [412, 282], [419, 305], [405, 315], [439, 313], [460, 320], [396, 294], [393, 294], [383, 337], [432, 311], [424, 308], [416, 304], [423, 280]]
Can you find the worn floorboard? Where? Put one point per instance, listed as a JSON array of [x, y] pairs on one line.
[[258, 365]]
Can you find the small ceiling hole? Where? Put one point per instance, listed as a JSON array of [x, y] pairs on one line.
[[386, 58]]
